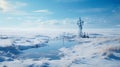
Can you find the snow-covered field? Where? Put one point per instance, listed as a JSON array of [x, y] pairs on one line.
[[102, 49]]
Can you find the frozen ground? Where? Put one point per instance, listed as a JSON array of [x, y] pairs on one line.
[[102, 49]]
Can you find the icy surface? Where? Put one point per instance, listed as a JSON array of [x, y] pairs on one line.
[[101, 50], [5, 42]]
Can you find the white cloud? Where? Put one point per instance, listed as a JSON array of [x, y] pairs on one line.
[[11, 7], [67, 22], [5, 6], [43, 11]]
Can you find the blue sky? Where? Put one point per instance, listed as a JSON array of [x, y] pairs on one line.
[[59, 13]]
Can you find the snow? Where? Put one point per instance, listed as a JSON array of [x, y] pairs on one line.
[[87, 54], [5, 42], [20, 41], [12, 46], [99, 50]]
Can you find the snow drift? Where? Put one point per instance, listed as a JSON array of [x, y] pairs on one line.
[[11, 47], [88, 53]]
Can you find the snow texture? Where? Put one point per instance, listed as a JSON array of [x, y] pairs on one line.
[[99, 50]]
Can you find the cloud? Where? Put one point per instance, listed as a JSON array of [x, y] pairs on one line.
[[43, 11], [66, 21], [5, 6], [47, 23], [11, 7]]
